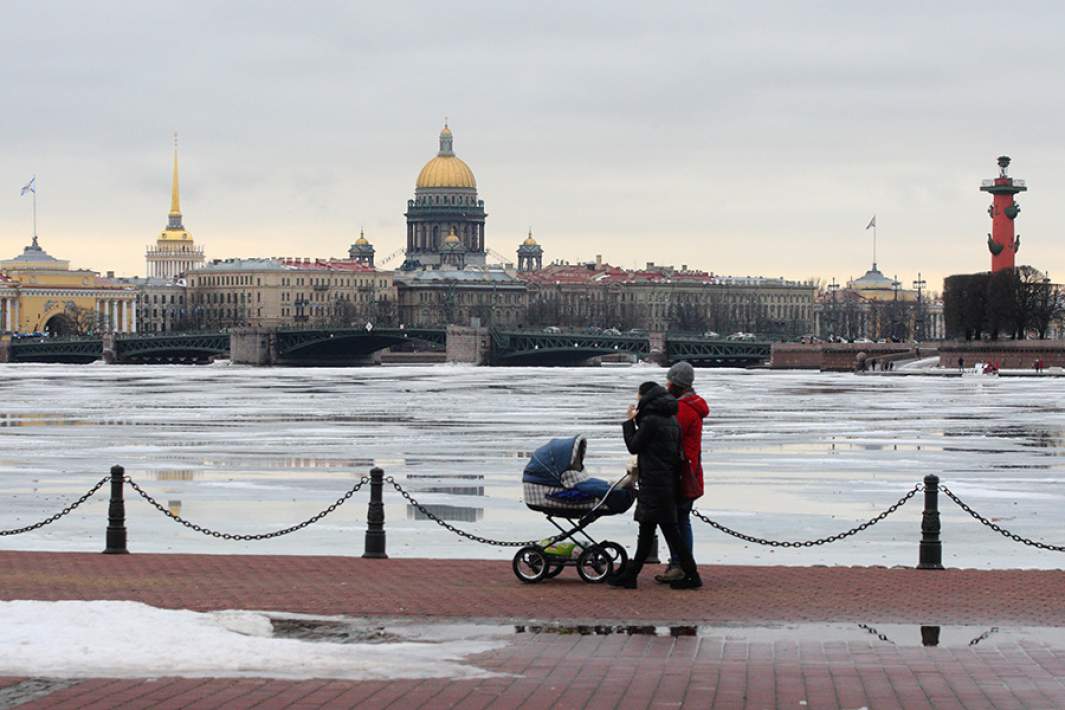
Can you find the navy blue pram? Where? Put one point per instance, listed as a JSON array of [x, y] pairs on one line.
[[555, 483]]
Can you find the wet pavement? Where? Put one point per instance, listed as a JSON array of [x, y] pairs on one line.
[[757, 637]]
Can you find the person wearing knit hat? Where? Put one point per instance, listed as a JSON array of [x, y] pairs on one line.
[[691, 411]]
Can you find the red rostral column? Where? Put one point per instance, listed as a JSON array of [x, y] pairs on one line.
[[1001, 242]]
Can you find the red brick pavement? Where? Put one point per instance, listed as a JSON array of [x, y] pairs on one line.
[[718, 670], [488, 589]]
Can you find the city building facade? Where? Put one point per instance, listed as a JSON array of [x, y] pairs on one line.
[[42, 294], [662, 298], [288, 292], [161, 306], [492, 297]]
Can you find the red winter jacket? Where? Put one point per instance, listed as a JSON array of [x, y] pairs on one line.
[[691, 411]]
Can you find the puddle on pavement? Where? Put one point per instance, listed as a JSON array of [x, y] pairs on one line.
[[355, 630]]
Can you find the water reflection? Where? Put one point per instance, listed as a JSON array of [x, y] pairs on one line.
[[456, 513], [176, 475], [417, 485]]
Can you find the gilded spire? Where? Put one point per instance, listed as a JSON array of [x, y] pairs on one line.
[[174, 228], [175, 190]]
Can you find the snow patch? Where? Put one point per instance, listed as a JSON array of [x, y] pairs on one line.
[[117, 639]]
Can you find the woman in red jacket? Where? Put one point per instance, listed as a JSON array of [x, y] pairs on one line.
[[691, 411]]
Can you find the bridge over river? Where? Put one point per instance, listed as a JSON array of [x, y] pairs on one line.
[[347, 346]]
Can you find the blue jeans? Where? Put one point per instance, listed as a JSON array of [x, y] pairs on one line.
[[684, 522]]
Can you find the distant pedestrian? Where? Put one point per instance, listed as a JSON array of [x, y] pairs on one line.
[[651, 432], [691, 411], [961, 364]]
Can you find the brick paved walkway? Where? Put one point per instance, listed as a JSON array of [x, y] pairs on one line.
[[798, 666]]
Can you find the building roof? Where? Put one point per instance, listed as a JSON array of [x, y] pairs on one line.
[[242, 265], [872, 280], [468, 275], [328, 265], [446, 170], [36, 255]]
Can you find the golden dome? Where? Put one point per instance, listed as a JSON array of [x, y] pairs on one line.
[[451, 238], [362, 241], [529, 241], [446, 170]]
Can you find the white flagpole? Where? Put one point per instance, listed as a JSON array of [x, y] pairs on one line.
[[874, 241], [35, 207]]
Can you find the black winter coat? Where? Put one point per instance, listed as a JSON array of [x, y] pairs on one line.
[[654, 437]]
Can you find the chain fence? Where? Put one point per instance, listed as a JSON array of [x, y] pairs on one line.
[[998, 528], [812, 543], [244, 538], [65, 511], [462, 533]]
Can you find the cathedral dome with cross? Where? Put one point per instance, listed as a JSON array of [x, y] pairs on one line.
[[445, 203]]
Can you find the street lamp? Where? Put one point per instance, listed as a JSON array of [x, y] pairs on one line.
[[919, 284], [832, 323], [895, 284]]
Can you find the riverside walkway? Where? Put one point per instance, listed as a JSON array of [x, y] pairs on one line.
[[753, 637]]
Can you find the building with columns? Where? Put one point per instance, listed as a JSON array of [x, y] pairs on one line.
[[174, 254], [877, 307], [445, 203], [42, 294]]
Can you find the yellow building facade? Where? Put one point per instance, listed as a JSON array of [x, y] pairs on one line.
[[42, 294]]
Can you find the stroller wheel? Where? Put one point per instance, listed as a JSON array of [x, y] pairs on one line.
[[530, 564], [617, 554], [594, 565]]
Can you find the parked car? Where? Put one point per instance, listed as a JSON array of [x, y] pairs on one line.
[[552, 329], [740, 335], [711, 334], [593, 330], [611, 331]]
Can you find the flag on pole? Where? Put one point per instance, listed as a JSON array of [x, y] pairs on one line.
[[31, 186], [872, 223]]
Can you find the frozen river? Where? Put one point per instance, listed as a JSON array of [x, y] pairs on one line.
[[788, 455]]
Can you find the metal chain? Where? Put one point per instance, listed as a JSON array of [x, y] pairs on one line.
[[91, 492], [462, 533], [811, 543], [998, 528], [232, 536]]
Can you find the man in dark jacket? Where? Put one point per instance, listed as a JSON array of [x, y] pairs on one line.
[[651, 432], [691, 411]]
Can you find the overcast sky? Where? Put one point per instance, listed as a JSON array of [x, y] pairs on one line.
[[742, 138]]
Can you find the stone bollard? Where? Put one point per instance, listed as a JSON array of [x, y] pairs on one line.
[[931, 550], [116, 514], [375, 518]]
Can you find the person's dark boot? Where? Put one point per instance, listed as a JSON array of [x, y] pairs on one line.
[[692, 581], [625, 579]]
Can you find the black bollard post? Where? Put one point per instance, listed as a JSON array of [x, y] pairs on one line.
[[931, 551], [375, 517], [929, 635], [116, 514]]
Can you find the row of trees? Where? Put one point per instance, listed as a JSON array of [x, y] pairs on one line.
[[1013, 303]]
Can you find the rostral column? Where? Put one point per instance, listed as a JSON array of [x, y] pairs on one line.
[[1001, 242]]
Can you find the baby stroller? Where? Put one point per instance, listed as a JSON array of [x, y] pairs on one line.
[[556, 484]]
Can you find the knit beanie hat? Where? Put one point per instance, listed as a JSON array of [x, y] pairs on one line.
[[681, 374]]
